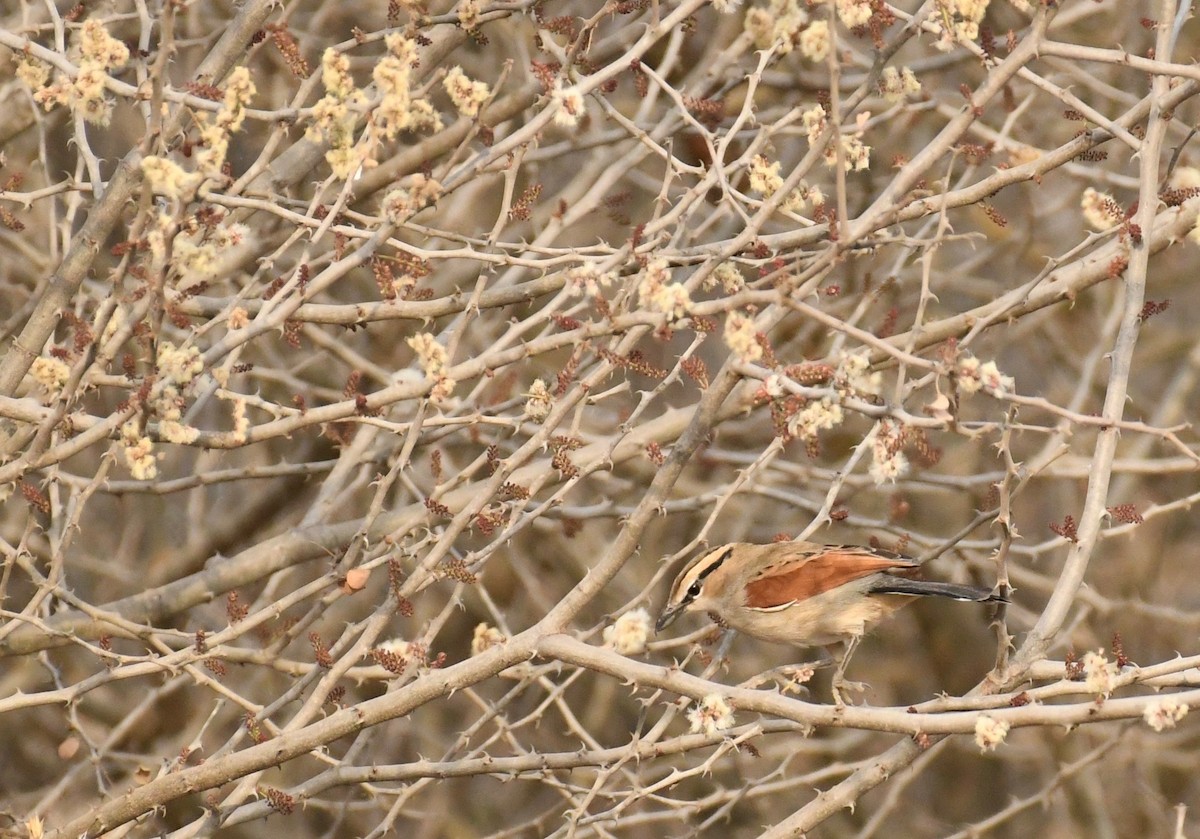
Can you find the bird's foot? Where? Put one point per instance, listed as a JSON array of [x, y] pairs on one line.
[[791, 678], [840, 685]]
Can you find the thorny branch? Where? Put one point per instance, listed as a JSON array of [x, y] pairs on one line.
[[367, 370]]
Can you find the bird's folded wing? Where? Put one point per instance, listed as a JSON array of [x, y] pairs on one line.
[[807, 575]]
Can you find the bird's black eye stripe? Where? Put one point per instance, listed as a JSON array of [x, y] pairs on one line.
[[715, 565], [694, 589]]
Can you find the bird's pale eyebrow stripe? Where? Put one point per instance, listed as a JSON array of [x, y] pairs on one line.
[[714, 566]]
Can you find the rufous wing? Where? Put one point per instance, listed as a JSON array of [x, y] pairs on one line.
[[807, 575]]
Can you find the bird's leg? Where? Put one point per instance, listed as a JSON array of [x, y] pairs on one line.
[[839, 674], [726, 642], [827, 658]]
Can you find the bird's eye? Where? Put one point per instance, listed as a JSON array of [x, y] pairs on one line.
[[693, 590]]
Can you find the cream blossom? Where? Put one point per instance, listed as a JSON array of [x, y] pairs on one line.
[[989, 732], [711, 714], [628, 635], [1164, 713]]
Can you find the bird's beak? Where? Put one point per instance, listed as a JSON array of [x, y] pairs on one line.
[[667, 617]]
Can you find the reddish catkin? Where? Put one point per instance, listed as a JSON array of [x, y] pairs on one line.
[[513, 492], [1073, 667], [10, 221], [286, 43], [35, 497], [523, 207], [389, 660], [235, 610], [696, 370], [1067, 530], [655, 453], [1118, 650], [1153, 307], [456, 569], [320, 651], [278, 800], [216, 667], [1126, 514], [1117, 266]]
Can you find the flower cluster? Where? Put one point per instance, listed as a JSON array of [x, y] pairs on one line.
[[1099, 673], [467, 95], [139, 452], [778, 25], [888, 461], [856, 155], [399, 650], [958, 21], [167, 178], [171, 427], [239, 90], [468, 14], [896, 84], [485, 637], [50, 374], [659, 293], [974, 375], [197, 250], [773, 386], [742, 338], [1100, 210], [34, 74], [241, 422], [712, 714], [589, 279], [764, 176], [539, 401], [853, 13], [989, 732], [433, 359], [814, 121], [628, 635], [1164, 713], [402, 202], [1187, 178], [214, 135], [765, 179], [397, 110], [854, 375], [333, 115], [178, 367], [818, 415], [815, 41], [568, 105], [430, 353], [99, 53], [116, 322], [728, 276]]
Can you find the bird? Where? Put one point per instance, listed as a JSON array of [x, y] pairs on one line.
[[805, 594]]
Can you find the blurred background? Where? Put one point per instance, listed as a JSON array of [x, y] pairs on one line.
[[322, 496]]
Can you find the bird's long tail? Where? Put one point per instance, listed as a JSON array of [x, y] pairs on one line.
[[927, 588]]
